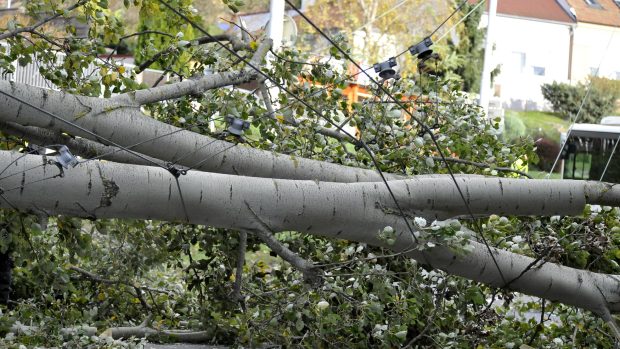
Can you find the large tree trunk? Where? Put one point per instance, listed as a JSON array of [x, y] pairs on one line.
[[353, 211]]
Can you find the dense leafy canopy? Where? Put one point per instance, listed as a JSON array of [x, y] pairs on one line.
[[106, 273]]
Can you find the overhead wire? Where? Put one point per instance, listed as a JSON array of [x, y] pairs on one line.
[[461, 20], [395, 7], [456, 10], [424, 126], [307, 105], [610, 157], [573, 119], [173, 171]]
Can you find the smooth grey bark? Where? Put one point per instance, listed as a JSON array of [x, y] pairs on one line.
[[78, 146], [121, 121], [199, 85], [351, 211]]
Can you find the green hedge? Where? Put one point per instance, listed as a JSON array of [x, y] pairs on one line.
[[566, 99]]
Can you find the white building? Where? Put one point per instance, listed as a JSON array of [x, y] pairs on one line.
[[542, 41], [532, 47], [596, 39]]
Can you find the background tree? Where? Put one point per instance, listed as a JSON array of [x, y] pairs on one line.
[[468, 46], [164, 25], [286, 234]]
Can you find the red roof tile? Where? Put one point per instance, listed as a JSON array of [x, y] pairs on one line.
[[608, 13], [540, 9]]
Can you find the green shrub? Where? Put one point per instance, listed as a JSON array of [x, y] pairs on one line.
[[610, 87], [607, 86], [567, 99]]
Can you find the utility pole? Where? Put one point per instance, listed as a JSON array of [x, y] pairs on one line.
[[485, 82], [276, 22]]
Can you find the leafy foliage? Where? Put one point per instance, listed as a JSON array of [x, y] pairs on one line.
[[469, 48], [182, 275], [567, 100]]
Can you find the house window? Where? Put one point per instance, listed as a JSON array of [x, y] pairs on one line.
[[540, 71], [594, 3]]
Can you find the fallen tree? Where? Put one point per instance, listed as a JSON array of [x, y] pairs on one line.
[[140, 163], [351, 211]]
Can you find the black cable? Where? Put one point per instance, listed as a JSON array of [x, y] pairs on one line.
[[99, 138], [173, 171], [307, 105], [424, 126], [451, 15], [440, 25]]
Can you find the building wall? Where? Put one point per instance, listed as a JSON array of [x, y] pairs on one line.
[[530, 53], [594, 45]]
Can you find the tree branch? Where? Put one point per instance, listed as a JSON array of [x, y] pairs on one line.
[[79, 146], [97, 278], [190, 86], [109, 120], [20, 329], [147, 332], [483, 165], [310, 272], [33, 27], [266, 99], [236, 45], [350, 211], [243, 243]]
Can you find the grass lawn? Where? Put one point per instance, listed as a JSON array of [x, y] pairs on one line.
[[543, 175], [534, 124]]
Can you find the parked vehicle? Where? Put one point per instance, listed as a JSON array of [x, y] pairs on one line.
[[591, 151]]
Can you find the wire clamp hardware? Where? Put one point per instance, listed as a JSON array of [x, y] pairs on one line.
[[422, 49], [386, 69], [65, 158], [236, 126], [176, 171]]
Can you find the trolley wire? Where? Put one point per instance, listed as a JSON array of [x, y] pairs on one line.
[[424, 126]]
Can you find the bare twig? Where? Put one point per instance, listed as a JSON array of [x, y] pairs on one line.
[[243, 243], [265, 233], [97, 278], [540, 323], [144, 32], [483, 165]]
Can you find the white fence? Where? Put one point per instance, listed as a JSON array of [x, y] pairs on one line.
[[30, 74]]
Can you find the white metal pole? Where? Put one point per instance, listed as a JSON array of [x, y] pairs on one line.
[[485, 82], [276, 22]]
